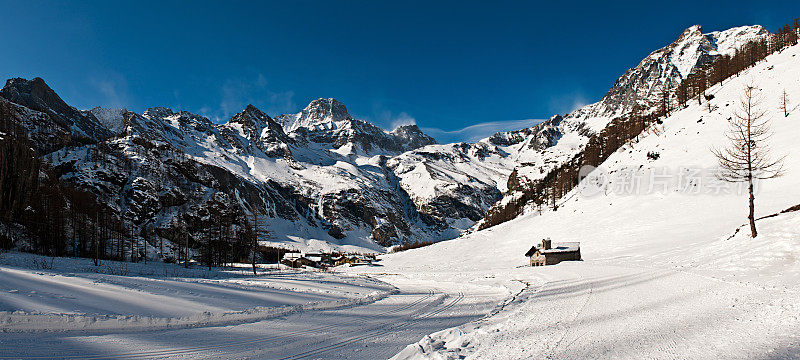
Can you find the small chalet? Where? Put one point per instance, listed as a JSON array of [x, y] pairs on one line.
[[549, 253], [315, 257], [325, 260], [297, 260]]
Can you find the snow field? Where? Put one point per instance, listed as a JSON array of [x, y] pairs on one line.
[[665, 274], [372, 331]]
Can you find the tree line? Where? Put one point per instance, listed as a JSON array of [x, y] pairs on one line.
[[624, 129], [54, 217], [726, 66]]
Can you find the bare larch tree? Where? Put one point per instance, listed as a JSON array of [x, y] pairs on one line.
[[747, 157], [785, 103]]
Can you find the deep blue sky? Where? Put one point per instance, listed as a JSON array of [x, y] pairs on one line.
[[447, 65]]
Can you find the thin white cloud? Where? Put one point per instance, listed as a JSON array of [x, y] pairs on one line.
[[403, 119], [387, 119], [113, 88], [567, 103], [480, 131], [236, 94]]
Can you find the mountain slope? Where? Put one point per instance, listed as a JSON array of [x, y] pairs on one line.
[[667, 67], [312, 184], [640, 90], [492, 174], [665, 270]]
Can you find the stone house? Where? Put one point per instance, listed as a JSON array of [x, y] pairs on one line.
[[549, 253]]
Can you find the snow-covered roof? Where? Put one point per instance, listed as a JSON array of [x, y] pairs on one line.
[[563, 247], [292, 256], [556, 248]]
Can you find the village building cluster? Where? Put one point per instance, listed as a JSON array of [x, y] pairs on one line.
[[323, 260]]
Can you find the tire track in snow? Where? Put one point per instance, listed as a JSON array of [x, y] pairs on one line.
[[567, 330], [551, 351], [380, 332], [199, 349]]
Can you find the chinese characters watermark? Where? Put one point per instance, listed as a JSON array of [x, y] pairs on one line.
[[658, 180]]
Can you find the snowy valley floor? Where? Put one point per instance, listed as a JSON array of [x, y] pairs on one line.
[[617, 307], [77, 314]]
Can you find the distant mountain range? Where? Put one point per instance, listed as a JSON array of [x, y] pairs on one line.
[[321, 179]]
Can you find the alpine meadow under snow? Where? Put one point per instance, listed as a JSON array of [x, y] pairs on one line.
[[188, 224], [669, 268]]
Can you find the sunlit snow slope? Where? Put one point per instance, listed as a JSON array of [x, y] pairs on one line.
[[664, 275]]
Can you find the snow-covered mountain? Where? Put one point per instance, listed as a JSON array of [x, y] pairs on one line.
[[323, 183], [667, 67], [321, 177], [326, 121], [541, 149]]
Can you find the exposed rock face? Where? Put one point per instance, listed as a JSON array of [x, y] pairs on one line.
[[320, 113], [410, 137], [325, 180], [667, 67], [36, 95], [252, 127], [111, 119], [44, 133]]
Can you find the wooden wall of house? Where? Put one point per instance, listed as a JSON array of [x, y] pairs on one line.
[[555, 258], [539, 259]]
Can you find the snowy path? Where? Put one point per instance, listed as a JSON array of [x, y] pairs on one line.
[[377, 330]]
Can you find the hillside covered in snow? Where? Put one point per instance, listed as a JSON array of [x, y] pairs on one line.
[[669, 269]]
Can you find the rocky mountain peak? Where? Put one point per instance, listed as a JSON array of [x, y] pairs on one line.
[[158, 112], [668, 66], [35, 94], [251, 117], [326, 121], [254, 125], [329, 108], [325, 112], [413, 136], [409, 128], [693, 30]]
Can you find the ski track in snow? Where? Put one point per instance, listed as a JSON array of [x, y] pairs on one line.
[[377, 330]]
